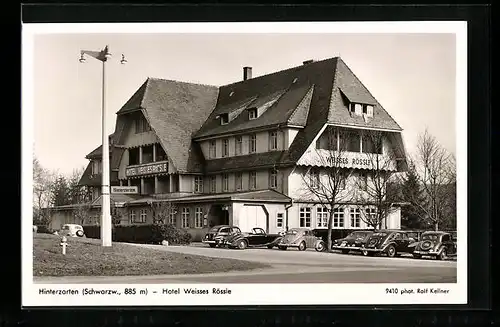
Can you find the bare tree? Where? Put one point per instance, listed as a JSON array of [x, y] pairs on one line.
[[326, 185], [437, 173], [373, 200], [161, 211], [43, 181]]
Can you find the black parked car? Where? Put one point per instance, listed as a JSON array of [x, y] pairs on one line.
[[438, 245], [390, 242], [217, 234], [353, 242], [256, 238]]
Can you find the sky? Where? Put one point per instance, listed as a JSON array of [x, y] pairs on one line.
[[411, 75]]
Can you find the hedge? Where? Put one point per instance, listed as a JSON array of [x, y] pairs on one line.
[[44, 229], [144, 234]]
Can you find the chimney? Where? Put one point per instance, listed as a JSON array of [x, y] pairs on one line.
[[247, 73], [307, 62]]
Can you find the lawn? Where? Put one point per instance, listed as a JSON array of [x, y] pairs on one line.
[[86, 257]]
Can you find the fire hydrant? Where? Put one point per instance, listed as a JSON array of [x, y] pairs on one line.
[[64, 243]]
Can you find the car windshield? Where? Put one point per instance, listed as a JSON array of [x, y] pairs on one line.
[[65, 227], [380, 234], [214, 229], [292, 232], [432, 237]]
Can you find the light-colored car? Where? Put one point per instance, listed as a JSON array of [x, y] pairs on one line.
[[72, 230], [301, 238]]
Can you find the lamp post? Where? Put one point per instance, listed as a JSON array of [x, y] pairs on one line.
[[106, 224]]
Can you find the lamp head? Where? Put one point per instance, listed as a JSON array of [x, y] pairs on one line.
[[123, 61], [82, 59], [107, 54]]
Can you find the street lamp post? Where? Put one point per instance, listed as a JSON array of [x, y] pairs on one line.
[[106, 224]]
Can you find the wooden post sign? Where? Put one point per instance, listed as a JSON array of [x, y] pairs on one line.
[[124, 189]]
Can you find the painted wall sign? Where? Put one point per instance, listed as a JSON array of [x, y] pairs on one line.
[[124, 189], [323, 158], [147, 169]]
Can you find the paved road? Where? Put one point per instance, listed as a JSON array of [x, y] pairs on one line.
[[292, 266]]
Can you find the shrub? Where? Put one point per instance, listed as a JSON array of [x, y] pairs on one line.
[[145, 234], [44, 229]]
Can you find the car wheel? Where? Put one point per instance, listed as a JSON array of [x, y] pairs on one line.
[[417, 256], [270, 246], [442, 255], [320, 247], [391, 251], [283, 248], [345, 251], [242, 245], [302, 246], [212, 245]]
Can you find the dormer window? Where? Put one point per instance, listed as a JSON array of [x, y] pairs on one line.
[[252, 113], [224, 119], [368, 110]]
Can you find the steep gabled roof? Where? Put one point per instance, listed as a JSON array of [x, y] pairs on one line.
[[175, 110]]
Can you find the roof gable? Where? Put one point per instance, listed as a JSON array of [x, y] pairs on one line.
[[175, 110]]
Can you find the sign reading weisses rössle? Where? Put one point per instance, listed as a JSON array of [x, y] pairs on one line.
[[154, 168]]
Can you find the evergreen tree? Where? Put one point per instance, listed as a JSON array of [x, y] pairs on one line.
[[60, 192], [411, 214]]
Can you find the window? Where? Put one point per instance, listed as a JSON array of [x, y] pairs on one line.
[[198, 184], [305, 217], [225, 182], [141, 125], [273, 178], [314, 178], [338, 217], [273, 140], [212, 149], [213, 184], [372, 143], [279, 220], [353, 142], [322, 217], [252, 180], [371, 214], [368, 110], [224, 119], [96, 167], [185, 218], [238, 145], [198, 218], [355, 218], [225, 147], [143, 216], [356, 108], [171, 217], [252, 143], [132, 216], [252, 113], [363, 181], [238, 181]]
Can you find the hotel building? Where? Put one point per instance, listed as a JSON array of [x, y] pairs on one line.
[[236, 154]]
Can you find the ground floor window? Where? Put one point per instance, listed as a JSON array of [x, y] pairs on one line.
[[355, 218], [198, 218], [143, 216], [132, 216], [171, 217], [305, 217], [338, 217], [279, 220], [322, 217], [185, 218], [371, 214]]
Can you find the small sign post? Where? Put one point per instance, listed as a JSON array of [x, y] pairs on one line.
[[124, 189], [64, 243]]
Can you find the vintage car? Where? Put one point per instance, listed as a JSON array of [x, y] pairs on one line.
[[353, 241], [217, 234], [389, 242], [256, 238], [301, 238], [438, 245], [71, 230]]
